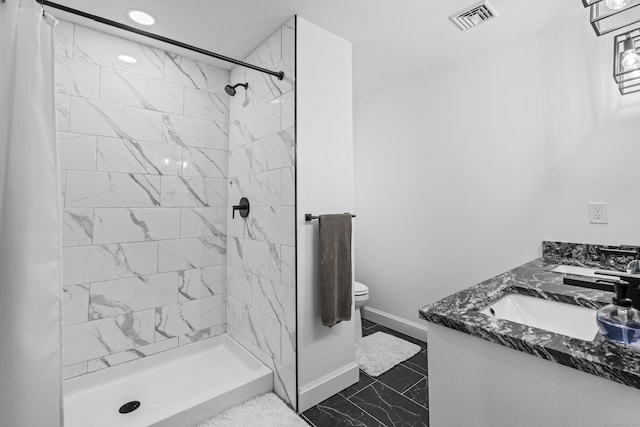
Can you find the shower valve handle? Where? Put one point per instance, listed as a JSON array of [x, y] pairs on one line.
[[243, 207]]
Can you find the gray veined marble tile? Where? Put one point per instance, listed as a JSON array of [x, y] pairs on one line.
[[234, 319], [77, 78], [284, 383], [77, 227], [74, 370], [191, 316], [105, 189], [266, 90], [63, 111], [118, 225], [240, 160], [192, 132], [256, 124], [275, 151], [131, 354], [184, 254], [288, 103], [77, 151], [85, 264], [90, 340], [115, 297], [262, 189], [288, 265], [206, 105], [240, 339], [289, 38], [238, 74], [269, 88], [268, 52], [287, 65], [63, 186], [238, 226], [202, 282], [202, 334], [188, 72], [151, 158], [263, 332], [239, 283], [260, 258], [275, 224], [204, 162], [114, 120], [75, 304], [178, 191], [239, 187], [289, 348], [243, 100], [198, 222], [275, 300], [63, 38], [101, 48], [138, 91], [288, 186]]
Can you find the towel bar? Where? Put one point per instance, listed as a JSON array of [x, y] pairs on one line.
[[311, 217]]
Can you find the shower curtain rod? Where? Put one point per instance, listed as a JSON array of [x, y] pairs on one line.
[[278, 74]]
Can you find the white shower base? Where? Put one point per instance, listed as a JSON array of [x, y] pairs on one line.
[[181, 387]]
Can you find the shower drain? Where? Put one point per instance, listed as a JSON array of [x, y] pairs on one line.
[[129, 407]]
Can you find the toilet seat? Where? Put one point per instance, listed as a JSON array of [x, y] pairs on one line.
[[360, 289]]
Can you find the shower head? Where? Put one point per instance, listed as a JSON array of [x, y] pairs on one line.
[[231, 90]]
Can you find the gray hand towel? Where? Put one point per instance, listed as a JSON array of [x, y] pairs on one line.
[[335, 268]]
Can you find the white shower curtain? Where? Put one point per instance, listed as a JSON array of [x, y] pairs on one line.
[[30, 270]]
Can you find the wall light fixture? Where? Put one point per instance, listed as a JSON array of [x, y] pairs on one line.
[[611, 15], [626, 61]]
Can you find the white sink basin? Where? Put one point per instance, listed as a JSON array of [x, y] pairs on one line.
[[566, 319]]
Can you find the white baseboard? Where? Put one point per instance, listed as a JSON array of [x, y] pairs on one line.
[[325, 387], [396, 323]]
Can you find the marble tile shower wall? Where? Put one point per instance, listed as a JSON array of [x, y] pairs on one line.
[[144, 150], [261, 302]]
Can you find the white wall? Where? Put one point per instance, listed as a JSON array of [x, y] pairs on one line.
[[326, 356], [462, 172]]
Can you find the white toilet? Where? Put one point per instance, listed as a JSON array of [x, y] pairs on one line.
[[361, 296]]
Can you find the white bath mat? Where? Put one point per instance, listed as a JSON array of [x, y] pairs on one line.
[[379, 352], [263, 411]]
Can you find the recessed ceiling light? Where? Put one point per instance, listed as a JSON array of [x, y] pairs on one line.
[[141, 17], [127, 58]]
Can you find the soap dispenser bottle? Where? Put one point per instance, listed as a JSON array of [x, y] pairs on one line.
[[619, 322]]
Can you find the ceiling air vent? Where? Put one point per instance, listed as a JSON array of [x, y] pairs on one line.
[[474, 15]]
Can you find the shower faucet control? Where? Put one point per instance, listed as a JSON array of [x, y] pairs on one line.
[[243, 207]]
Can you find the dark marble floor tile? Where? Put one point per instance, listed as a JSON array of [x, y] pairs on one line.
[[419, 393], [373, 329], [400, 378], [366, 324], [418, 363], [306, 420], [364, 381], [337, 411], [390, 407]]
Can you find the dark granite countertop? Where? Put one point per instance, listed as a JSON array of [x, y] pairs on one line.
[[460, 311]]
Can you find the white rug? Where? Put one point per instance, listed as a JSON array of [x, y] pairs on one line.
[[263, 411], [379, 352]]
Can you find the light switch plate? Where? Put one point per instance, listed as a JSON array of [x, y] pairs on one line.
[[598, 213]]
